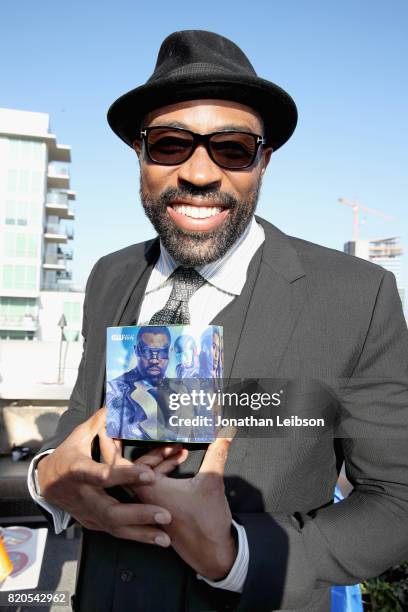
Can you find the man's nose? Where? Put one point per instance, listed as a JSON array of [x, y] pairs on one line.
[[200, 171]]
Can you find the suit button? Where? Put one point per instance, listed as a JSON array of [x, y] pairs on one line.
[[126, 575]]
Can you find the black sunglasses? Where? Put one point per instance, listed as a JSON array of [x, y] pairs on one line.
[[171, 146]]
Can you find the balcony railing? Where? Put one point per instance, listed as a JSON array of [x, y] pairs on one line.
[[67, 255], [57, 171], [25, 322], [51, 228], [58, 287], [64, 275], [54, 260], [57, 197]]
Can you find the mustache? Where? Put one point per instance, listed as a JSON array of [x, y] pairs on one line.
[[209, 194]]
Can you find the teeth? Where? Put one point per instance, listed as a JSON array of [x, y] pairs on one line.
[[197, 212]]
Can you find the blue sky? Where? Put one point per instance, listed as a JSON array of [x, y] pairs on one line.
[[344, 63]]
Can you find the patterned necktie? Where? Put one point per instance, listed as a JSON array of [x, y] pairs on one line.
[[186, 281]]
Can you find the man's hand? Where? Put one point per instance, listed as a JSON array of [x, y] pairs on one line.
[[200, 529], [73, 481]]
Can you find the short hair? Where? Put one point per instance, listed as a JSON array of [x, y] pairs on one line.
[[153, 329]]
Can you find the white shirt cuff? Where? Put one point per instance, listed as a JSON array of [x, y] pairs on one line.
[[59, 516], [238, 573]]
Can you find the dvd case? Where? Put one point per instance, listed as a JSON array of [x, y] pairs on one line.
[[162, 382]]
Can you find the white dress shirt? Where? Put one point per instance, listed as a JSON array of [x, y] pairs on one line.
[[225, 278]]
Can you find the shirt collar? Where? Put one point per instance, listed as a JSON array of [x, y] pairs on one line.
[[224, 273]]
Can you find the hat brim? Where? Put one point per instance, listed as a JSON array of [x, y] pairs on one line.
[[276, 107]]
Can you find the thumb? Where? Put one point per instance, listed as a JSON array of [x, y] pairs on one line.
[[216, 457], [111, 449], [86, 431], [83, 435], [98, 420]]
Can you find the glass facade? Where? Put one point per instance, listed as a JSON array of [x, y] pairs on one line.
[[19, 277], [19, 212], [11, 307], [20, 245]]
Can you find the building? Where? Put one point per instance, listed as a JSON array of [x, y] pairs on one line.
[[386, 252], [36, 231], [36, 251]]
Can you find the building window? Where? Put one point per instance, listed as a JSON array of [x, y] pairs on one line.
[[24, 181], [36, 182], [22, 213], [20, 245], [12, 180], [8, 277], [24, 152], [12, 308], [16, 335], [19, 277], [72, 312]]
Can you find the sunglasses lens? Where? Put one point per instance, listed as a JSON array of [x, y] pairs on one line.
[[233, 149], [168, 147]]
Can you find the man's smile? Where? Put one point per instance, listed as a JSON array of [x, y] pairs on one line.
[[192, 216]]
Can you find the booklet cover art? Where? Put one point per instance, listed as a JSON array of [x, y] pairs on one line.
[[147, 367]]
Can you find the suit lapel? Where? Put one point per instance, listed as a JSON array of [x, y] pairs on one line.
[[276, 302], [130, 285], [232, 317]]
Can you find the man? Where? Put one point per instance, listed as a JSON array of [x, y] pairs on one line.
[[259, 531], [132, 400]]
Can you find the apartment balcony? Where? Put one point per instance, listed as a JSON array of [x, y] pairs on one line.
[[64, 275], [57, 204], [66, 254], [21, 323], [57, 178], [55, 234], [54, 262], [57, 152], [59, 287]]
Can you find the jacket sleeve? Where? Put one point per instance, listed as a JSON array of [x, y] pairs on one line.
[[76, 412], [366, 533]]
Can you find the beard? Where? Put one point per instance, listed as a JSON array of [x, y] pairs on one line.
[[199, 248]]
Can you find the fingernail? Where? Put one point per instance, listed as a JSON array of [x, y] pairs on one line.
[[146, 477], [162, 540], [161, 518]]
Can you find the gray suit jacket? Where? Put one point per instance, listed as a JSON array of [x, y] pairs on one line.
[[305, 312]]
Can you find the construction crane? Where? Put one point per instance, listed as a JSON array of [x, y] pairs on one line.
[[356, 207]]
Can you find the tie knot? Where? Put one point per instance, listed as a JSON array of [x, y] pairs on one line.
[[186, 282]]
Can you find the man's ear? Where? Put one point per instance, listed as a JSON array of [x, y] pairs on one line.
[[137, 145], [266, 156]]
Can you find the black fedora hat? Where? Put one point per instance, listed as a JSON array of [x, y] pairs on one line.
[[195, 64]]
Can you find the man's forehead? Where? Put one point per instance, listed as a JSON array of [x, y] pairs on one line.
[[154, 338], [206, 115]]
